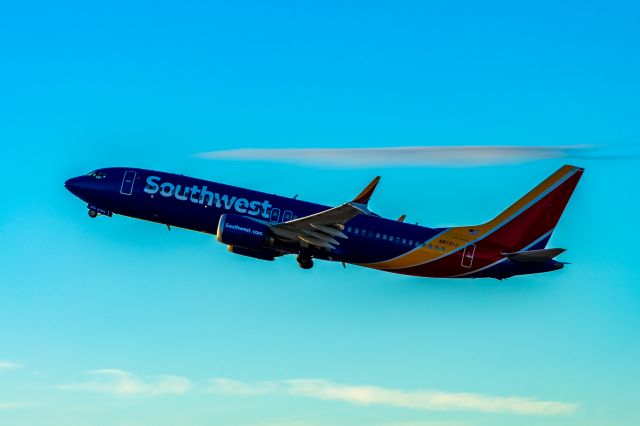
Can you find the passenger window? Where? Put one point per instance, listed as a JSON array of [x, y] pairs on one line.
[[275, 215], [404, 241], [355, 231], [377, 235], [348, 229], [384, 236]]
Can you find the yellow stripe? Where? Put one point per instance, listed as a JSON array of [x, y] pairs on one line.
[[456, 237], [531, 195]]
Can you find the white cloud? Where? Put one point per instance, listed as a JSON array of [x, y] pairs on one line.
[[449, 156], [424, 400], [5, 406], [8, 365], [286, 423], [123, 383]]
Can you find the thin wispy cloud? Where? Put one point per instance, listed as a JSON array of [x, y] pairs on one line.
[[427, 423], [8, 365], [123, 383], [408, 156], [423, 400], [6, 406]]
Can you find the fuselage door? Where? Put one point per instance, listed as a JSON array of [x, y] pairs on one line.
[[467, 255], [127, 182]]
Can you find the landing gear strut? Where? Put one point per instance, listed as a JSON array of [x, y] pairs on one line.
[[92, 214], [305, 262]]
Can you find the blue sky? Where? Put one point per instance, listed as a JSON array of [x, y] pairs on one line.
[[119, 322]]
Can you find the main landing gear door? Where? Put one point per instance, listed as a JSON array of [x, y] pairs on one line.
[[127, 182], [467, 255]]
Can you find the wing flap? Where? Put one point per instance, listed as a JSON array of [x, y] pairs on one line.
[[315, 242], [321, 236], [319, 229], [323, 229], [329, 230]]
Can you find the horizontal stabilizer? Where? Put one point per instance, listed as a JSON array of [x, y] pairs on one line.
[[534, 256]]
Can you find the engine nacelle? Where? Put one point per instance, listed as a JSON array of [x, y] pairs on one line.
[[241, 231], [265, 254]]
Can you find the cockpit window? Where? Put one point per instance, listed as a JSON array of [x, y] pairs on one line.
[[97, 175]]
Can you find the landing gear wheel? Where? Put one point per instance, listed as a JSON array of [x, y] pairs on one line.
[[305, 262], [92, 214]]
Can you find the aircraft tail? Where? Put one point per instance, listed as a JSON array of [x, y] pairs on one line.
[[528, 223]]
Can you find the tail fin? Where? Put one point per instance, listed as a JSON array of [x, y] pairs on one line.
[[528, 223]]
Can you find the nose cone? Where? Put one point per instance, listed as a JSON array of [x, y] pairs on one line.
[[74, 185], [71, 184]]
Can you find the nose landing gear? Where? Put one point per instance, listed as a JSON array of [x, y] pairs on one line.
[[95, 211], [305, 262]]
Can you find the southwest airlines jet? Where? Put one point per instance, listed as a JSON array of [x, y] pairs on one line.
[[267, 226]]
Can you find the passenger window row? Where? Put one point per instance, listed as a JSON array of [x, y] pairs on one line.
[[367, 233]]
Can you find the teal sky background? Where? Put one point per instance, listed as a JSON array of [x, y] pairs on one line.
[[119, 322]]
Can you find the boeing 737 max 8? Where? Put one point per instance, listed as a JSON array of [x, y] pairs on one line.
[[267, 226]]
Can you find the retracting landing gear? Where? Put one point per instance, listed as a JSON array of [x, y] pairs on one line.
[[95, 211], [305, 262]]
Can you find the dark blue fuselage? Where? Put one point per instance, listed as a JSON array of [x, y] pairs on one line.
[[368, 240], [197, 204]]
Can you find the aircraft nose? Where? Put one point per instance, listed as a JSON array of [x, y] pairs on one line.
[[73, 185]]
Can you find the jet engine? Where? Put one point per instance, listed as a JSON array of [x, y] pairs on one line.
[[240, 231], [264, 254]]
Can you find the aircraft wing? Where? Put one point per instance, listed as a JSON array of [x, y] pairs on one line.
[[324, 229], [534, 256]]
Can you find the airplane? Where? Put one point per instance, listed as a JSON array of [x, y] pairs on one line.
[[267, 226]]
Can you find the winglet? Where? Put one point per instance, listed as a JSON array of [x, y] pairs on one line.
[[365, 195], [401, 218]]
